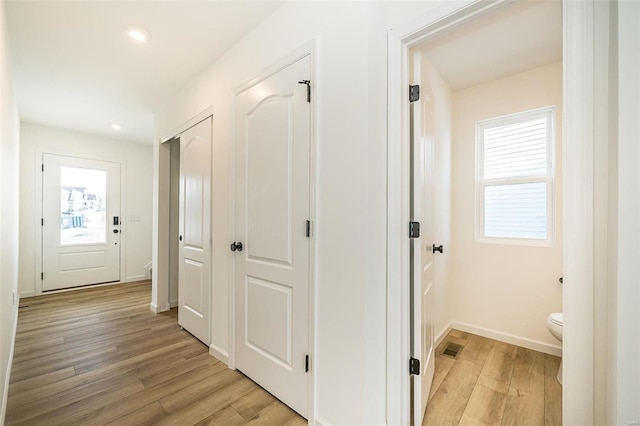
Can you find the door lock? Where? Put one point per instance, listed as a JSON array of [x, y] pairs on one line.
[[437, 248], [236, 246]]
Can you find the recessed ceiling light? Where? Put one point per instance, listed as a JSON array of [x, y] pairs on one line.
[[138, 34], [116, 126]]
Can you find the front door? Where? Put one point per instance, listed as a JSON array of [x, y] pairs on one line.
[[272, 209], [194, 271], [81, 222], [422, 327]]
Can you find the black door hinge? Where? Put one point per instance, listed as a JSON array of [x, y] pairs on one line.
[[41, 276], [414, 229], [414, 366], [414, 93], [42, 222], [306, 363], [43, 167], [308, 84], [308, 230]]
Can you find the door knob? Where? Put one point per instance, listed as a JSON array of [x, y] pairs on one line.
[[115, 231], [437, 248], [236, 246]]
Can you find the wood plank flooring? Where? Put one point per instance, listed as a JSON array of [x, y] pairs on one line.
[[493, 383], [99, 356]]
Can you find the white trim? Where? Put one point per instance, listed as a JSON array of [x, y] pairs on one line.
[[154, 308], [134, 278], [321, 422], [219, 354], [5, 393], [307, 49], [443, 333], [173, 304], [187, 125], [512, 339]]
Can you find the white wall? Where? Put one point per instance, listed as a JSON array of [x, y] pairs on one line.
[[136, 183], [505, 289], [9, 217], [350, 122]]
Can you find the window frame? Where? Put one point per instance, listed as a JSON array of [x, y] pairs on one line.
[[548, 178]]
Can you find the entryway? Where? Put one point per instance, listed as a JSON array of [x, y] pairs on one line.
[[81, 222]]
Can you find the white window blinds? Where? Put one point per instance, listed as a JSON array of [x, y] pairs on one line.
[[515, 176]]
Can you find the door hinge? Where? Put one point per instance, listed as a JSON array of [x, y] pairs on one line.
[[308, 230], [414, 93], [41, 276], [43, 167], [414, 366], [308, 84], [42, 222], [306, 363], [414, 229]]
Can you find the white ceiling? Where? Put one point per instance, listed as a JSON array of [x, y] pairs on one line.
[[74, 67], [514, 38]]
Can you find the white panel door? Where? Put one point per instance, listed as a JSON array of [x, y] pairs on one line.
[[272, 209], [80, 222], [422, 146], [194, 270]]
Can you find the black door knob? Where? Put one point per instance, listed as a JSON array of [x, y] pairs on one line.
[[437, 248], [115, 231], [236, 246]]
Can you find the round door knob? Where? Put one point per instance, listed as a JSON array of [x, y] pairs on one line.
[[236, 246], [115, 231], [437, 248]]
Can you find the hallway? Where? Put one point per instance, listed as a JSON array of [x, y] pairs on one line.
[[99, 356]]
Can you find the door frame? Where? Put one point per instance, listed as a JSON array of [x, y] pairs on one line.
[[39, 205], [307, 49], [579, 35]]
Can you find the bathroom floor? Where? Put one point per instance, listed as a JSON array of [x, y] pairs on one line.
[[493, 383]]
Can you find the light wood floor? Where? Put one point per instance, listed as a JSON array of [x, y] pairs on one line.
[[99, 356], [493, 383]]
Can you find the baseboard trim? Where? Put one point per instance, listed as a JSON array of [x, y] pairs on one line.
[[219, 354], [173, 304], [443, 333], [26, 294], [508, 338], [135, 278], [321, 422], [154, 308], [5, 390]]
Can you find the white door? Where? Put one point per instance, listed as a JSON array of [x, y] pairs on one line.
[[272, 209], [422, 146], [194, 270], [80, 222]]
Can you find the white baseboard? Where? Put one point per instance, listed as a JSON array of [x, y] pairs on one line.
[[219, 353], [173, 304], [134, 278], [443, 333], [147, 271], [5, 390], [535, 345], [321, 422], [30, 293], [154, 308]]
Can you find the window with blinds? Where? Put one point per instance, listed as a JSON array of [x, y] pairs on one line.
[[515, 176]]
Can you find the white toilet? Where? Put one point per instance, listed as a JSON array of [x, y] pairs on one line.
[[554, 323]]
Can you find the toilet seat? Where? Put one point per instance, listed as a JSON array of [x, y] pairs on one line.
[[556, 318]]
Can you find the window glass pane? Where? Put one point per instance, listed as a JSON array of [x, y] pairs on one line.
[[83, 197], [516, 150], [516, 210]]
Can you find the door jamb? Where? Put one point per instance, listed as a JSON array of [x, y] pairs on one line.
[[307, 49], [578, 33]]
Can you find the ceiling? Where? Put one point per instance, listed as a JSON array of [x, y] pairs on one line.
[[513, 38], [74, 66]]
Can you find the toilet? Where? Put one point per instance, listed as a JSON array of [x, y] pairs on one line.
[[554, 323]]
